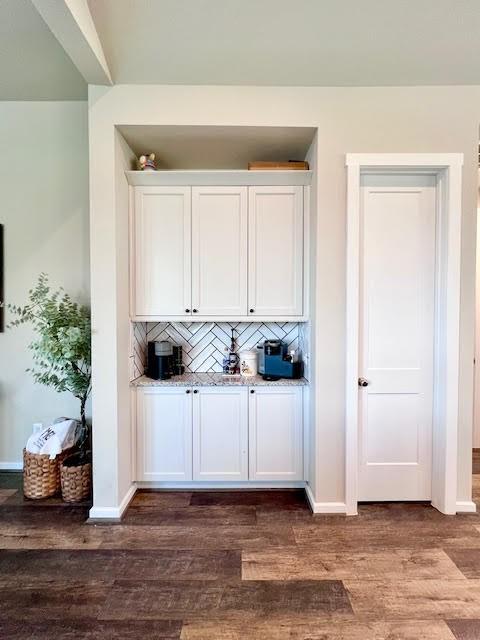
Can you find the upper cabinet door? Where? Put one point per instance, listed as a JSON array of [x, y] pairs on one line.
[[219, 251], [275, 251], [162, 251]]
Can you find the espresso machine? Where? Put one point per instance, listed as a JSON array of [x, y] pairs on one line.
[[164, 360], [275, 362]]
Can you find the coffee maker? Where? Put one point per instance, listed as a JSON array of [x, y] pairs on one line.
[[276, 363], [164, 359]]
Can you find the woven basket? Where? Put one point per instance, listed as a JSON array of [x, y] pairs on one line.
[[41, 475], [76, 482]]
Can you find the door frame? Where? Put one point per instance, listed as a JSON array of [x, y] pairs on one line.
[[447, 169]]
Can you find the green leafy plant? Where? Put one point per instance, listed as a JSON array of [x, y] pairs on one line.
[[62, 351]]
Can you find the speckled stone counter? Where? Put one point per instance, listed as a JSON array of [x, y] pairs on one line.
[[216, 380]]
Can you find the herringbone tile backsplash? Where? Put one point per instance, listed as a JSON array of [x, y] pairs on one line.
[[204, 343]]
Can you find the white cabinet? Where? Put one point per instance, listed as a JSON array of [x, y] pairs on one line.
[[164, 434], [219, 251], [276, 433], [161, 265], [275, 251], [220, 433]]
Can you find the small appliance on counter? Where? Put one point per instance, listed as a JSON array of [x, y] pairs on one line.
[[164, 360], [275, 362], [231, 361]]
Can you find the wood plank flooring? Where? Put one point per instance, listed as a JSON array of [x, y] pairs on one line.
[[236, 566]]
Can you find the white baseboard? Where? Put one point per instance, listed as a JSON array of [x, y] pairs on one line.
[[466, 506], [113, 513], [11, 466], [324, 507], [218, 486]]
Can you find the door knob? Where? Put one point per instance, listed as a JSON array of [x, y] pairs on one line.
[[363, 382]]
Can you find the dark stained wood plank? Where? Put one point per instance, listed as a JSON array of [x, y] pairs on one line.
[[467, 560], [465, 629], [299, 629], [195, 537], [31, 566], [11, 480], [5, 494], [175, 600], [120, 536], [33, 515], [91, 629], [476, 461], [296, 563], [62, 599], [425, 599], [284, 499], [160, 499], [388, 535], [212, 516], [49, 536]]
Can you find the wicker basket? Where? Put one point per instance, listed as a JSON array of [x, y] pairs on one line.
[[76, 482], [41, 475]]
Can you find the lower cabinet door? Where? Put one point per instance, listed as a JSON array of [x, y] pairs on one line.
[[220, 434], [276, 433], [164, 434]]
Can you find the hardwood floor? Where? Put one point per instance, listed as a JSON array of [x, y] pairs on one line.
[[236, 566]]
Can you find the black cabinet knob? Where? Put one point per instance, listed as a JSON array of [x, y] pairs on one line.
[[195, 391], [187, 391], [252, 391], [252, 310], [195, 310], [187, 310]]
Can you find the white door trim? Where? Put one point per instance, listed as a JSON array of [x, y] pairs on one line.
[[448, 171]]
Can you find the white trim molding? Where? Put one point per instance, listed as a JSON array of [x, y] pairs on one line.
[[222, 178], [447, 170], [324, 507], [466, 506], [202, 485], [11, 466], [113, 513]]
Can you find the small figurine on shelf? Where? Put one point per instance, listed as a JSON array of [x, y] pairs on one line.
[[147, 163]]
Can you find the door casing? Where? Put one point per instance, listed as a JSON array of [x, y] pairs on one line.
[[447, 170]]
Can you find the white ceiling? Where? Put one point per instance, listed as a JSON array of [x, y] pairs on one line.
[[33, 65], [291, 42], [183, 147]]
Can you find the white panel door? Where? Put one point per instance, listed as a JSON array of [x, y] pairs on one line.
[[275, 251], [220, 433], [164, 434], [275, 433], [219, 251], [397, 295], [162, 251]]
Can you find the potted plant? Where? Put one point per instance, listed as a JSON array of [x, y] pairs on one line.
[[62, 360]]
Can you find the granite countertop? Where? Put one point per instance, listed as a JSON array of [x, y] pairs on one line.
[[215, 380]]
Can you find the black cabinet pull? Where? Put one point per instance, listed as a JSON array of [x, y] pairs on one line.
[[195, 310], [187, 391], [252, 390], [187, 310], [252, 310], [195, 391]]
